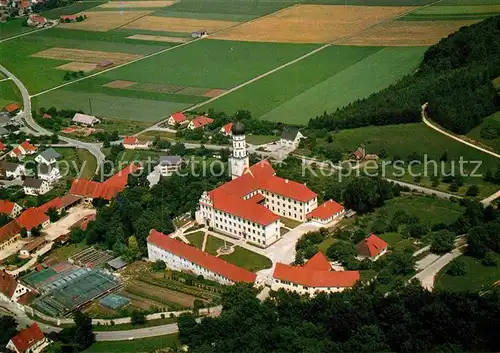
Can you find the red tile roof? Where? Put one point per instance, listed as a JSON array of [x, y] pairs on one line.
[[7, 284], [47, 116], [6, 206], [318, 263], [54, 203], [130, 140], [326, 210], [27, 146], [11, 107], [68, 17], [39, 19], [179, 117], [314, 278], [9, 230], [27, 297], [372, 245], [201, 121], [27, 338], [32, 218], [17, 151], [68, 199], [203, 259], [227, 128], [229, 196], [2, 146], [105, 190]]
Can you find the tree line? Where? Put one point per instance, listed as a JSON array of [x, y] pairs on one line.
[[455, 78]]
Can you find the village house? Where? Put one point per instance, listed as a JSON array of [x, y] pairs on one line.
[[10, 288], [132, 142], [25, 148], [290, 137], [180, 256], [32, 247], [9, 234], [12, 109], [327, 212], [9, 208], [33, 186], [177, 119], [49, 156], [226, 129], [200, 122], [11, 170], [29, 340], [84, 119], [36, 21], [48, 172], [33, 218], [371, 248], [313, 277], [169, 165]]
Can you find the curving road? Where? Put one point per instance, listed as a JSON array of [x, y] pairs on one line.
[[94, 148]]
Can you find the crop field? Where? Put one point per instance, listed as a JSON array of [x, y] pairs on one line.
[[102, 21], [175, 24], [441, 12], [327, 80], [88, 56], [135, 4], [70, 9], [311, 23]]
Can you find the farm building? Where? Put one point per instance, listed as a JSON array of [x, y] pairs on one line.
[[177, 118], [10, 288], [32, 247], [314, 276], [9, 208], [117, 263], [36, 21], [371, 248], [32, 218], [84, 119], [132, 143], [200, 122], [104, 64], [68, 18], [11, 109], [327, 212], [180, 256], [9, 234], [28, 340]]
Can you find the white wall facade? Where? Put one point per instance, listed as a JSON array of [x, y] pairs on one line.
[[335, 217], [44, 188], [287, 207], [168, 169], [239, 158], [294, 287], [36, 348], [178, 263], [17, 173], [52, 176]]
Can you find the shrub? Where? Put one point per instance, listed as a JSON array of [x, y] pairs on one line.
[[137, 318], [457, 268], [473, 190], [442, 241], [162, 316], [489, 259]]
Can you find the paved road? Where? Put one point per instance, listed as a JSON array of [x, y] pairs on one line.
[[440, 194], [94, 148], [137, 333]]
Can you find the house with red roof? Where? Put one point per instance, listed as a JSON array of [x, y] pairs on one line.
[[11, 109], [314, 276], [36, 21], [9, 234], [226, 129], [178, 118], [371, 248], [10, 208], [25, 148], [106, 190], [10, 288], [29, 340], [180, 256], [46, 116], [132, 143], [200, 122], [33, 218], [326, 213]]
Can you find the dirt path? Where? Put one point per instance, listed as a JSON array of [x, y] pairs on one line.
[[205, 238]]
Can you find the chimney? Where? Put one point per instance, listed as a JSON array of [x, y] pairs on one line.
[[286, 181]]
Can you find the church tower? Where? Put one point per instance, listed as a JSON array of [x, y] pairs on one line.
[[239, 158]]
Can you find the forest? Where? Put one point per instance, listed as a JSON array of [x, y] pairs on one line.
[[455, 77], [410, 319]]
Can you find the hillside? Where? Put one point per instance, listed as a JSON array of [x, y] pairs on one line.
[[455, 77]]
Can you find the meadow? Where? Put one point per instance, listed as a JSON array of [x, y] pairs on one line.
[[70, 9], [9, 93], [491, 121], [329, 79], [454, 12]]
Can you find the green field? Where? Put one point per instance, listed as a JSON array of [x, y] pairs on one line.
[[150, 344], [222, 10], [322, 82], [477, 278], [493, 121], [454, 12], [9, 93], [71, 9], [12, 28], [247, 259]]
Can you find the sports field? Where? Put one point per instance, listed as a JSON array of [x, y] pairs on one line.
[[327, 80]]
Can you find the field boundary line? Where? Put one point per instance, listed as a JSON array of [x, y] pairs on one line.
[[324, 46], [135, 19], [24, 34]]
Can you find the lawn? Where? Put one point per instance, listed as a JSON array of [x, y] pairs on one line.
[[9, 93], [129, 156], [475, 134], [325, 244], [196, 239], [222, 10], [86, 162], [477, 278], [214, 243], [329, 79], [149, 344], [261, 139], [289, 223], [247, 259], [214, 63]]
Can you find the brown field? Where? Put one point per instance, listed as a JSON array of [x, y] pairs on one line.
[[161, 293], [185, 25], [119, 84], [311, 23], [87, 56], [214, 93], [102, 21], [158, 87], [135, 4], [194, 91], [407, 33], [77, 66], [159, 38]]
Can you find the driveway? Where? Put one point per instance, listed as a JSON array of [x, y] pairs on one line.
[[63, 225]]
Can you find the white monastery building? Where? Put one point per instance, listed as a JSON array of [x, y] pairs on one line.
[[180, 256], [314, 276], [249, 206]]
